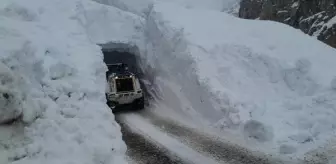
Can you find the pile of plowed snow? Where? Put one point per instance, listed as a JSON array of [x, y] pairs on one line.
[[53, 82], [264, 81], [139, 7]]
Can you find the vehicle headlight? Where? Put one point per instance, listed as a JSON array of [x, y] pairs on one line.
[[113, 96]]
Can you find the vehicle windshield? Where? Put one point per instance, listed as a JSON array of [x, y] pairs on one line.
[[117, 68], [124, 85]]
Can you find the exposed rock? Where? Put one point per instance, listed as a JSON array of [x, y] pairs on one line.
[[250, 9], [314, 17]]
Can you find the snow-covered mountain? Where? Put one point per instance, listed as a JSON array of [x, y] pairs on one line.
[[314, 17], [263, 84]]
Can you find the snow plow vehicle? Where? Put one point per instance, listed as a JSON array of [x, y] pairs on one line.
[[123, 88]]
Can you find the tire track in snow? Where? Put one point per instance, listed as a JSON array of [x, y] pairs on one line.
[[210, 145], [172, 147], [143, 150]]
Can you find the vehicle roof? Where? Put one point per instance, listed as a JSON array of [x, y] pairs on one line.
[[120, 64], [118, 69], [120, 73]]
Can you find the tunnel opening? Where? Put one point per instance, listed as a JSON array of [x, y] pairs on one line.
[[121, 53], [130, 55]]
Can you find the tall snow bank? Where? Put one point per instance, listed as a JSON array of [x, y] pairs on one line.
[[264, 81], [217, 5], [53, 84], [104, 23], [134, 6], [139, 7]]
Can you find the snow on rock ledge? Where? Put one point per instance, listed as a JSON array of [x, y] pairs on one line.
[[53, 83], [278, 77]]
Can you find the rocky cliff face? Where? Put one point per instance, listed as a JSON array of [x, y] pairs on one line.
[[314, 17]]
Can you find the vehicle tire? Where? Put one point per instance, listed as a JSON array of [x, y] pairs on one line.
[[111, 104], [140, 103]]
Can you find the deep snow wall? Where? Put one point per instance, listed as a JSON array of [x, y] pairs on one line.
[[269, 89], [140, 7], [53, 81], [174, 79]]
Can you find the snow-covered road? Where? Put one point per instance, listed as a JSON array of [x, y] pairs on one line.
[[142, 150], [153, 139]]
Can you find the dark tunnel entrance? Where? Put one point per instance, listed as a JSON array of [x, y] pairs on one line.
[[130, 55], [114, 56]]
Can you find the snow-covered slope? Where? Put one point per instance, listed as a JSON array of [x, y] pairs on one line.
[[316, 18], [139, 7], [264, 81], [53, 82]]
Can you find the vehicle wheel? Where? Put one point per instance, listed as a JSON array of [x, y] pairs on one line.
[[140, 103], [111, 105]]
